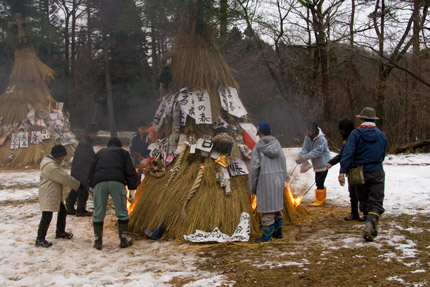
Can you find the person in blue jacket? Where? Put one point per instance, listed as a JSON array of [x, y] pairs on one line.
[[346, 126], [366, 146], [315, 148]]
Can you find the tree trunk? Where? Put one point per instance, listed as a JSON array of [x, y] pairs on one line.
[[73, 48], [349, 89], [223, 19], [109, 96]]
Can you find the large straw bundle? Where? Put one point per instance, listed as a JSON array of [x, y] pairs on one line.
[[27, 85], [27, 88], [172, 200]]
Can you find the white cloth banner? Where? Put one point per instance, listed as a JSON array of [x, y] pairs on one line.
[[23, 139], [237, 167], [241, 233], [231, 102]]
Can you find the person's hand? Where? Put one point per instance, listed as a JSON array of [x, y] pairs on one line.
[[341, 179], [298, 161], [131, 196], [328, 166], [139, 157]]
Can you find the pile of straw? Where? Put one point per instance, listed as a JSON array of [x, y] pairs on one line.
[[27, 85], [197, 64]]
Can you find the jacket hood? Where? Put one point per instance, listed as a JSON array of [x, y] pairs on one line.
[[269, 146], [320, 134], [47, 160], [369, 135]]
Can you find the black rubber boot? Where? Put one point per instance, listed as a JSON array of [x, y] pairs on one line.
[[98, 235], [82, 211], [64, 235], [371, 226], [123, 234], [70, 207], [354, 212], [42, 243]]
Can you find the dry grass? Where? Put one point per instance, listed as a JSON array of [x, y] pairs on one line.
[[315, 253], [30, 156]]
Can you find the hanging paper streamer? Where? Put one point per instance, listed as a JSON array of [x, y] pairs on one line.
[[36, 137], [23, 140], [202, 107], [241, 233], [14, 141], [231, 102]]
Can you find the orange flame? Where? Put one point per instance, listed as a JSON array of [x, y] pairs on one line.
[[294, 200], [129, 207], [254, 202]]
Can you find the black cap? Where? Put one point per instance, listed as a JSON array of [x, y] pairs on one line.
[[115, 142], [58, 150]]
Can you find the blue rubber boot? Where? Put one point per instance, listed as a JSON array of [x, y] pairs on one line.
[[267, 233], [277, 233]]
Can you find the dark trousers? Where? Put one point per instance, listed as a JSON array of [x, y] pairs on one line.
[[81, 195], [46, 220], [320, 178], [352, 195], [371, 193]]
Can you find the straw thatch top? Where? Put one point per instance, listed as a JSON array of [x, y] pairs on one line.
[[27, 85]]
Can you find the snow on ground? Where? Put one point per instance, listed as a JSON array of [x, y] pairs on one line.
[[149, 263], [406, 183]]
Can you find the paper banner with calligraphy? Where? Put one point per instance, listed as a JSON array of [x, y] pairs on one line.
[[204, 144], [241, 233], [202, 107], [36, 137], [14, 141], [187, 105], [237, 167], [231, 102]]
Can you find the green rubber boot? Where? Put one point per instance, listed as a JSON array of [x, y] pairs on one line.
[[98, 235]]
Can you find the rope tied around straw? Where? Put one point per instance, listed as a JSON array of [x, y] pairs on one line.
[[193, 189], [175, 171]]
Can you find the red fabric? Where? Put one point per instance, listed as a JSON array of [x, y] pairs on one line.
[[152, 130], [366, 126], [247, 139]]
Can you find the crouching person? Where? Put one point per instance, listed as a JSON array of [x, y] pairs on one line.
[[110, 171], [267, 175], [52, 181]]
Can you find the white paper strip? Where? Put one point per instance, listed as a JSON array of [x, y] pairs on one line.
[[202, 107], [204, 144], [14, 141], [231, 102], [36, 137], [241, 233]]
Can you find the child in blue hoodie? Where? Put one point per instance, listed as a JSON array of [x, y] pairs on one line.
[[315, 148]]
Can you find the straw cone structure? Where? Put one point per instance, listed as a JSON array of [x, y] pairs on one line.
[[27, 85], [196, 63]]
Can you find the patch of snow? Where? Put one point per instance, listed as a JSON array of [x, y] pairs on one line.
[[395, 278], [419, 271]]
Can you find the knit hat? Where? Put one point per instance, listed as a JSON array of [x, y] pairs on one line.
[[264, 128], [368, 113], [115, 142], [91, 128], [58, 151]]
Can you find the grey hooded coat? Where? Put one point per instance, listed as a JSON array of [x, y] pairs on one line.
[[267, 174]]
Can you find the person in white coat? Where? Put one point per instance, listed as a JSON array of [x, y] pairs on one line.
[[315, 148], [53, 179]]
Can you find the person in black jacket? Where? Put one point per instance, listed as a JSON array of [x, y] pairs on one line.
[[82, 159], [346, 126], [110, 171]]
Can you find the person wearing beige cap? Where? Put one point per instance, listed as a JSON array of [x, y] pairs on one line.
[[365, 148]]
